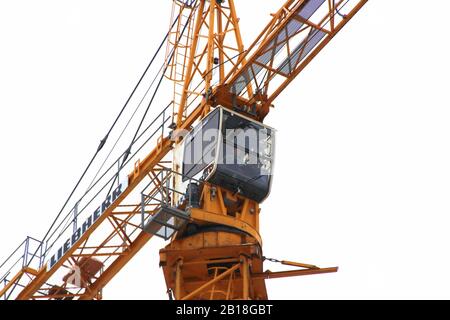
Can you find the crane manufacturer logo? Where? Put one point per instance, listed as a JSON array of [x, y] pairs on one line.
[[70, 242]]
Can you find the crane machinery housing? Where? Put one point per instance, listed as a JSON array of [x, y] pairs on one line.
[[195, 174]]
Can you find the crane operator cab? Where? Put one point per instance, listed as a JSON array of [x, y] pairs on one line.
[[231, 151]]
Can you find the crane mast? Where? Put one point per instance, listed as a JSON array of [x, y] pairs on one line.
[[207, 208]]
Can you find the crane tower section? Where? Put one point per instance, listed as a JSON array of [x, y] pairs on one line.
[[207, 45], [218, 252]]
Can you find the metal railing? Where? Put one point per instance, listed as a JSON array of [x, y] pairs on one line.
[[19, 259], [109, 177], [165, 206], [35, 256]]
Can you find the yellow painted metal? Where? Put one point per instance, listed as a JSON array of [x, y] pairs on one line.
[[216, 35], [16, 279], [229, 238], [245, 271], [209, 283], [178, 280]]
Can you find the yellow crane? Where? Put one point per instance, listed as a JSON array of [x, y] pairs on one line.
[[197, 173]]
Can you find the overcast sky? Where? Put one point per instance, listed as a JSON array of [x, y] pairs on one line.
[[362, 174]]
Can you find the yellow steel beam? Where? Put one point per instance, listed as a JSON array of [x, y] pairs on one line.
[[17, 278], [315, 52], [116, 266], [210, 283], [43, 275], [292, 273]]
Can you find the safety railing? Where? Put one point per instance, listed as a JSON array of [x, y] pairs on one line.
[[19, 259], [33, 253], [104, 184], [164, 208]]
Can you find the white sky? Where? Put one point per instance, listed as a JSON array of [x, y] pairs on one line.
[[362, 175]]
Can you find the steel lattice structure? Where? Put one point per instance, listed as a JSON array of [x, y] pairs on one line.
[[222, 258]]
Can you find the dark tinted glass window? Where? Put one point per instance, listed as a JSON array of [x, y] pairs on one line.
[[201, 145], [246, 157]]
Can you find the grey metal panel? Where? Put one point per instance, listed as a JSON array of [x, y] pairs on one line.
[[309, 9], [302, 50], [165, 222], [274, 47]]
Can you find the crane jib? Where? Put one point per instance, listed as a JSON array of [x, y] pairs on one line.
[[70, 241]]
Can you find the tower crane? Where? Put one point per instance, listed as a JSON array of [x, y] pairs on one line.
[[196, 173]]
